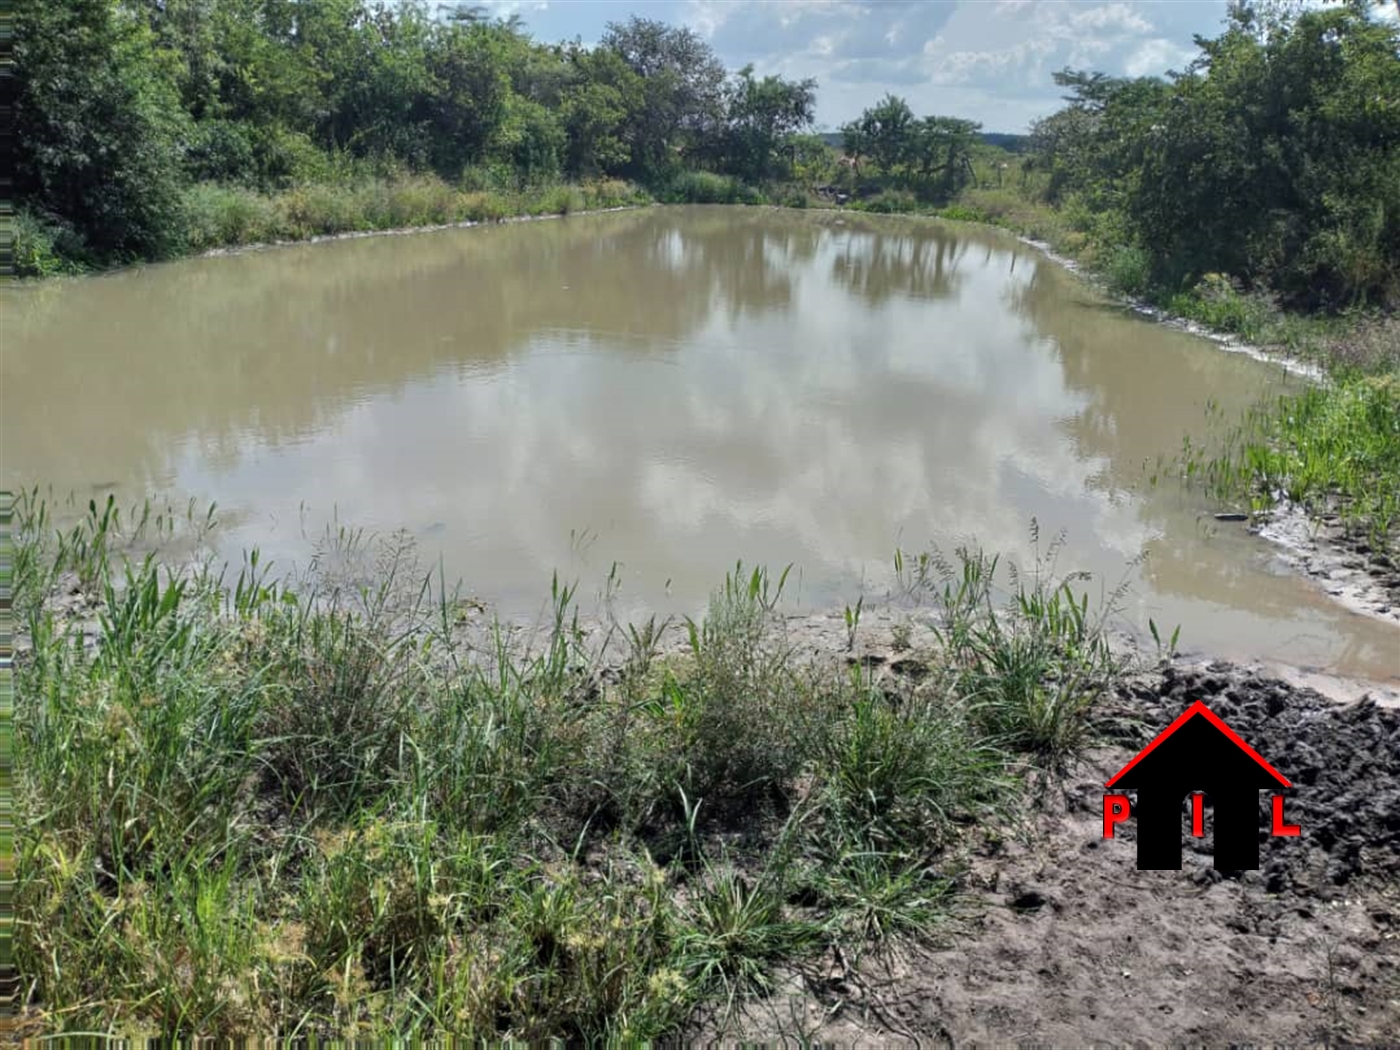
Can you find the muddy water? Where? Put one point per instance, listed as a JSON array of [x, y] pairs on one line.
[[673, 390]]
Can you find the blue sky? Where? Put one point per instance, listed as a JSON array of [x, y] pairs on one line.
[[989, 60]]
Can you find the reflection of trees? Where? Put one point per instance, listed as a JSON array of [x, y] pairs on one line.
[[282, 340], [1147, 386], [1146, 382], [917, 261]]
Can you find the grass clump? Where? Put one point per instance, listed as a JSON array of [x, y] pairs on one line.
[[1128, 270], [708, 187], [1330, 449], [1033, 668], [285, 808]]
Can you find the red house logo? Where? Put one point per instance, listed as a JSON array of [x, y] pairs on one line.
[[1197, 753]]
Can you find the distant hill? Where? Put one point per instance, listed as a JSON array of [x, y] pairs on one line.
[[1010, 143]]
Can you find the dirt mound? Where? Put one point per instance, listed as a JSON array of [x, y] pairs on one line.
[[1344, 763], [1071, 945]]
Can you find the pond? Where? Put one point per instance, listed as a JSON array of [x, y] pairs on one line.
[[671, 390]]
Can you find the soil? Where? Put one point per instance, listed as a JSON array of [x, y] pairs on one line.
[[1068, 944], [1342, 561]]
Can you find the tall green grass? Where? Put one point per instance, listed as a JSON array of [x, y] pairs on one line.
[[1330, 449], [223, 216], [260, 806], [218, 216], [707, 187]]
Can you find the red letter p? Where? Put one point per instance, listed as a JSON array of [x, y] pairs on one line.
[[1115, 811]]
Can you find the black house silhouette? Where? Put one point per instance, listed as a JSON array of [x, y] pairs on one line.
[[1198, 752]]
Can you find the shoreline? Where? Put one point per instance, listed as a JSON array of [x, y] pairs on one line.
[[1223, 340], [401, 231]]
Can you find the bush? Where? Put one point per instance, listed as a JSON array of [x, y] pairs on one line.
[[558, 200], [1128, 270], [704, 187], [217, 216], [486, 207], [1218, 302], [892, 202], [223, 151], [613, 193], [420, 201], [45, 248], [963, 213], [99, 127]]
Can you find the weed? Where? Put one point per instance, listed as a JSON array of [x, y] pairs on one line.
[[1033, 669], [902, 639], [1330, 448], [1128, 270], [304, 807], [852, 617]]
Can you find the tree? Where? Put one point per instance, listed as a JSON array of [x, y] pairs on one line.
[[940, 149], [470, 90], [882, 132], [99, 125], [598, 109], [683, 99], [1274, 157], [813, 161], [762, 115]]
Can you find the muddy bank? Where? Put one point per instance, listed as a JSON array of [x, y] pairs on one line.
[[1064, 942], [1224, 340], [401, 231], [1342, 561]]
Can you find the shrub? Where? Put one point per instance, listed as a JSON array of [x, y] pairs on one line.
[[420, 201], [226, 215], [1217, 301], [892, 202], [703, 187], [963, 213], [1128, 270], [485, 207], [613, 193], [44, 247]]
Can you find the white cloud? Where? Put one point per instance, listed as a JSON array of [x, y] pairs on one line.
[[962, 67], [1155, 56], [1119, 17]]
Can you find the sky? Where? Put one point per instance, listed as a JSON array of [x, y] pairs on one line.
[[987, 60]]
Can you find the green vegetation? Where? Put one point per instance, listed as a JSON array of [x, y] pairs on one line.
[[930, 156], [218, 216], [252, 807], [1329, 450], [145, 130]]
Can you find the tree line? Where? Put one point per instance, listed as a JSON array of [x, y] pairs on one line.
[[1274, 157], [123, 102]]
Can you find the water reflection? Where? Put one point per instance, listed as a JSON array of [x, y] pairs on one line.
[[682, 386]]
